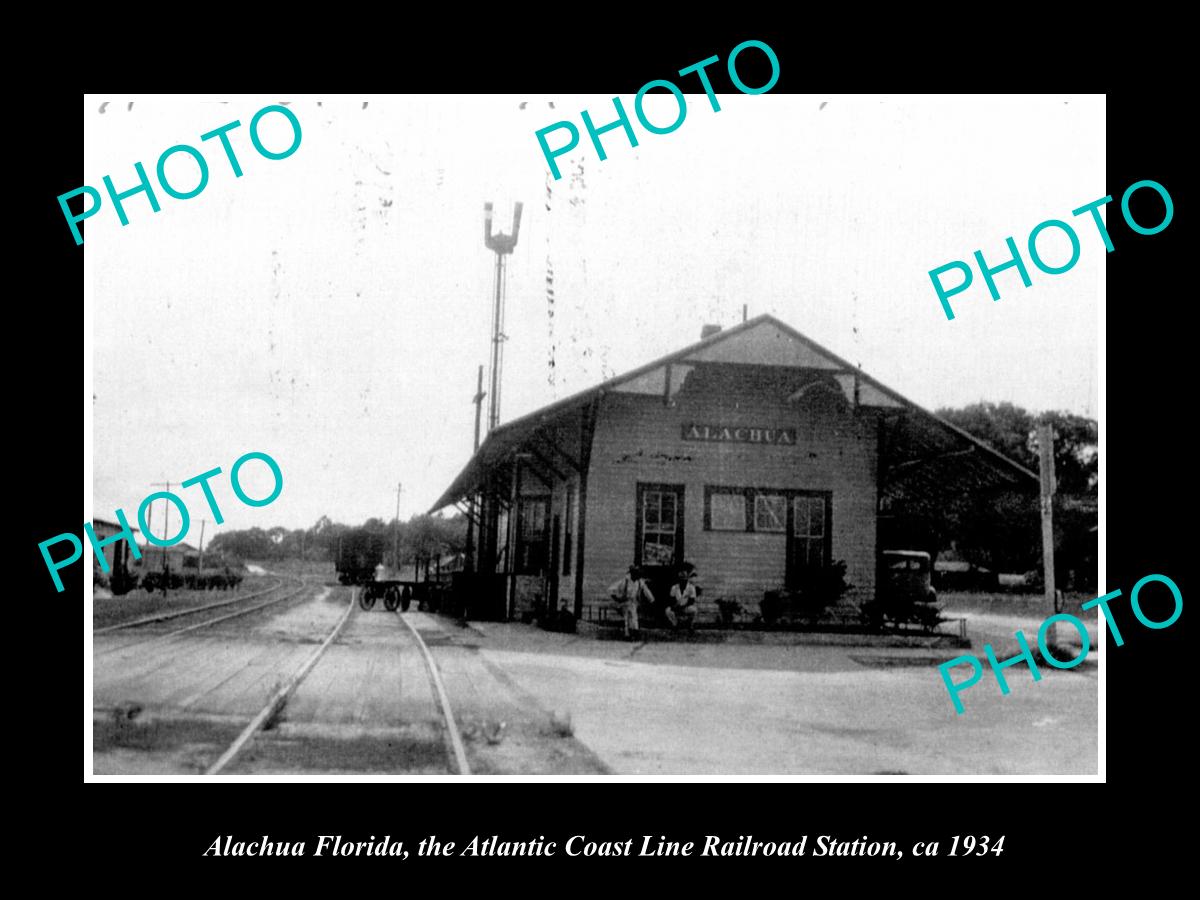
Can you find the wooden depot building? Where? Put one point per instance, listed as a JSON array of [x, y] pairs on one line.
[[751, 454]]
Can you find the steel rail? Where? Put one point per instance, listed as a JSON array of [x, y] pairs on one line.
[[457, 750], [280, 697]]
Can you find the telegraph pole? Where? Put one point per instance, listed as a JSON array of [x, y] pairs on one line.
[[1045, 438], [166, 526], [200, 561], [396, 532], [149, 530]]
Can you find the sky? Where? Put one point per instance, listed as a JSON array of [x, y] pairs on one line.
[[331, 309]]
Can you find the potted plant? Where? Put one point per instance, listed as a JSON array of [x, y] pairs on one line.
[[729, 611], [812, 593]]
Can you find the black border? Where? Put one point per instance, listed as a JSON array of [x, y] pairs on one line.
[[127, 830]]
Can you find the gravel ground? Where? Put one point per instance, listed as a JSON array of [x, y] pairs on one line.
[[535, 702], [728, 709]]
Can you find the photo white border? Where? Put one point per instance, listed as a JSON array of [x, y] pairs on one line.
[[90, 102]]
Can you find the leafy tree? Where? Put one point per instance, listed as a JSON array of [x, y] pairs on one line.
[[252, 543], [1006, 427], [434, 536], [1076, 452], [1000, 529], [1013, 431]]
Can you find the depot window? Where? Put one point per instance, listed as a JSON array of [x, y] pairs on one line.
[[801, 513], [726, 511], [770, 512]]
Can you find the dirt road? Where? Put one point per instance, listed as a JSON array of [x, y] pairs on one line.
[[685, 709]]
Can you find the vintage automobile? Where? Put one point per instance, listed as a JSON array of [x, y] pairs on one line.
[[908, 575], [904, 591]]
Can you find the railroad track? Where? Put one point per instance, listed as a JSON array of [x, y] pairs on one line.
[[279, 698], [174, 614], [457, 752], [301, 587]]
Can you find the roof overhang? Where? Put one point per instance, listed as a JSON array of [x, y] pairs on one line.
[[925, 453]]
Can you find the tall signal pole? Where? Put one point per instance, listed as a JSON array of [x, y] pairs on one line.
[[473, 505], [502, 245], [478, 399]]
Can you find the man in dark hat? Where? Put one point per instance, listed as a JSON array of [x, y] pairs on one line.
[[628, 592]]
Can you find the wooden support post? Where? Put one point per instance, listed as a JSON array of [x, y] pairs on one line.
[[469, 553], [587, 430], [491, 521], [533, 470], [573, 463], [511, 549], [469, 510], [541, 457]]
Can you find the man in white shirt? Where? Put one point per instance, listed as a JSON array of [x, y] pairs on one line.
[[682, 610], [628, 591]]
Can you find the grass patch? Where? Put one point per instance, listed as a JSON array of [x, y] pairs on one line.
[[421, 752], [140, 731], [139, 603]]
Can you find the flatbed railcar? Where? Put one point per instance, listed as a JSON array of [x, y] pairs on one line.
[[360, 558]]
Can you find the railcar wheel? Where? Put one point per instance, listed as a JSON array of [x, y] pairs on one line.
[[366, 598], [391, 599]]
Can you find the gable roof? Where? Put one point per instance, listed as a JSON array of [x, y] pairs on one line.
[[115, 526], [763, 340]]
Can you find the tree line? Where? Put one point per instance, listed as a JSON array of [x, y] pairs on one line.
[[420, 536]]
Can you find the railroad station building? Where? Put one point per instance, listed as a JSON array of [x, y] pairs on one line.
[[116, 554], [751, 454]]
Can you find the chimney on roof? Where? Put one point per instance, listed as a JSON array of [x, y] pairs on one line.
[[708, 331]]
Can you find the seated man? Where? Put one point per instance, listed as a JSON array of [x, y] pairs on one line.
[[682, 610]]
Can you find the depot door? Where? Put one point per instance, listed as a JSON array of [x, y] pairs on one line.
[[808, 530], [659, 527]]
